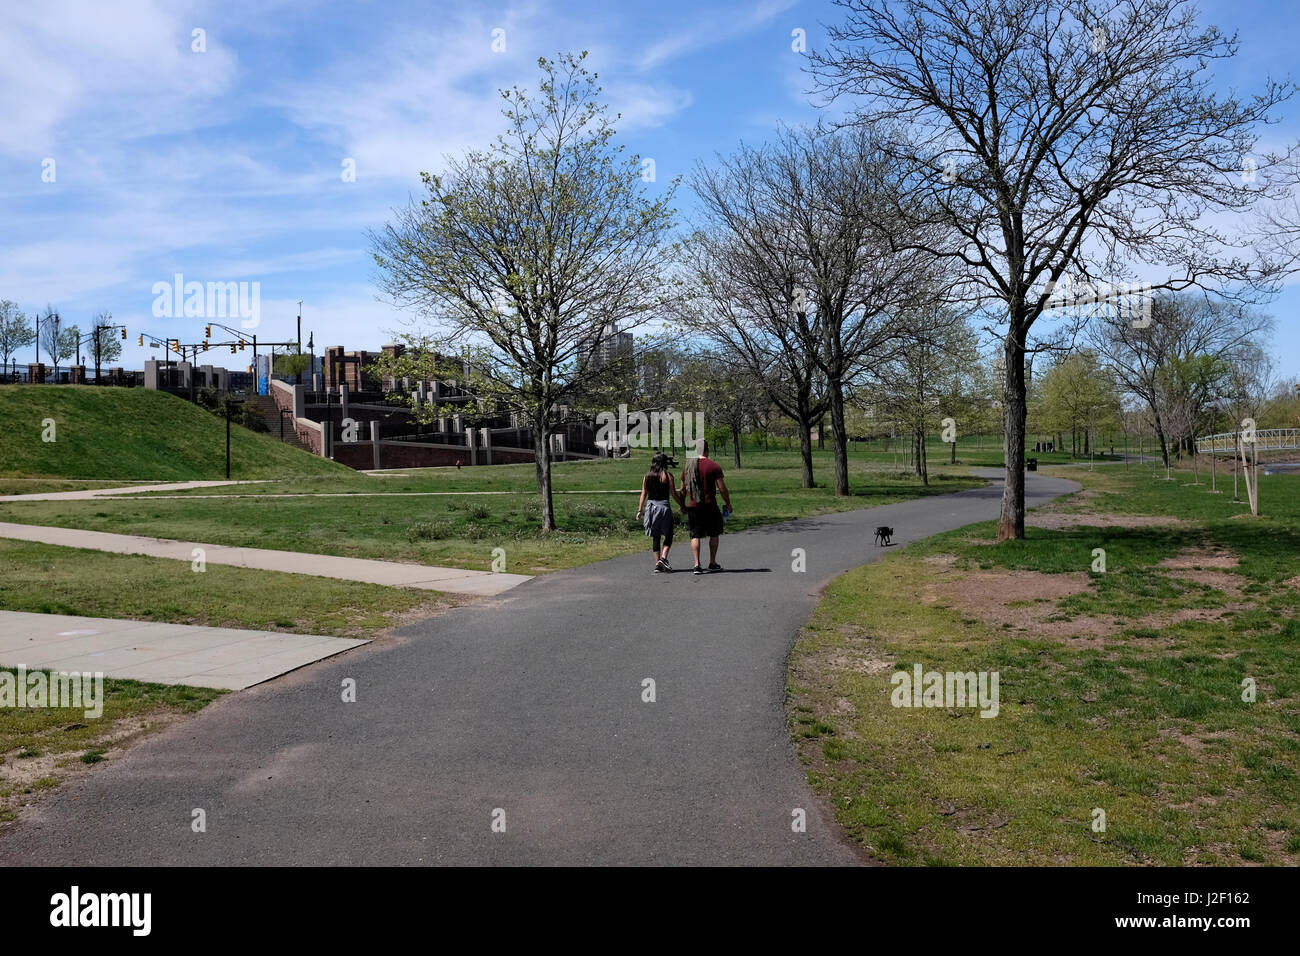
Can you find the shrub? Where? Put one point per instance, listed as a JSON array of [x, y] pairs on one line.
[[428, 531]]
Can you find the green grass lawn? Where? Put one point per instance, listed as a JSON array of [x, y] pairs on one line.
[[386, 518], [1120, 691], [133, 433]]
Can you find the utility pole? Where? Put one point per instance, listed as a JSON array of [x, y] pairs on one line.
[[300, 326], [227, 403]]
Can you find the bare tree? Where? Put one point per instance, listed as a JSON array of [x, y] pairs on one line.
[[58, 340], [530, 255], [795, 216], [1055, 136], [1179, 327], [742, 286]]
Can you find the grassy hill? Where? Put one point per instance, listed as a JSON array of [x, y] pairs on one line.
[[134, 433]]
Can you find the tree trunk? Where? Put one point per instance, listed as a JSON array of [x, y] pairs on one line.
[[921, 455], [839, 441], [735, 443], [805, 452], [1011, 521], [542, 459], [1160, 434]]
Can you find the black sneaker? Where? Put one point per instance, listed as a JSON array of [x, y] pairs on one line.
[[665, 566], [698, 570], [714, 568], [658, 569]]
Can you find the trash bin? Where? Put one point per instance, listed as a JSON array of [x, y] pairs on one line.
[[1031, 464]]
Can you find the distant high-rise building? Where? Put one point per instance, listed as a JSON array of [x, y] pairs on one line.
[[611, 345]]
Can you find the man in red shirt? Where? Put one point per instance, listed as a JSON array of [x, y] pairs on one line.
[[701, 482]]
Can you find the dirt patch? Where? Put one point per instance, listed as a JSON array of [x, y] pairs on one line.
[[1197, 558], [858, 663], [1194, 742], [1028, 602], [1056, 521], [1207, 567], [1017, 600], [1191, 614], [422, 612], [21, 773]]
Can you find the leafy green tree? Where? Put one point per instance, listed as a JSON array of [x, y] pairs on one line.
[[527, 257], [16, 332], [1078, 395], [292, 363]]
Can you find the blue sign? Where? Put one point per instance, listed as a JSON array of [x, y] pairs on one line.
[[263, 374]]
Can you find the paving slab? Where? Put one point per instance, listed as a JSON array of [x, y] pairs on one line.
[[391, 573], [221, 657]]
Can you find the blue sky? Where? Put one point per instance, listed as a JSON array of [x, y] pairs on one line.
[[225, 165]]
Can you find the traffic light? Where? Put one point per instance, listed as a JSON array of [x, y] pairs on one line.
[[207, 331], [241, 345], [141, 340], [176, 345], [124, 333], [232, 350]]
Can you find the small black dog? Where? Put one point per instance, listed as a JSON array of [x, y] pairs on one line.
[[883, 535]]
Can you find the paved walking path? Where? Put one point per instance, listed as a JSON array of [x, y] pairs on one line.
[[391, 573], [161, 653], [532, 706]]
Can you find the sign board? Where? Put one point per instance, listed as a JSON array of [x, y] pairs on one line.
[[263, 374]]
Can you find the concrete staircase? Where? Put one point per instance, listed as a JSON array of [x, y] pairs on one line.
[[270, 412]]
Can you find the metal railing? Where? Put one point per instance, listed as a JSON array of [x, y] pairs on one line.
[[1266, 439]]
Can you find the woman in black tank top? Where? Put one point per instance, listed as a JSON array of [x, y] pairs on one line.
[[658, 490]]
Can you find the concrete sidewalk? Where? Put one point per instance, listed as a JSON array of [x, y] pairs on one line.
[[451, 580], [102, 492], [219, 657]]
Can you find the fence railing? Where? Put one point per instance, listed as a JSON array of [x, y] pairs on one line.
[[129, 379], [1267, 439]]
